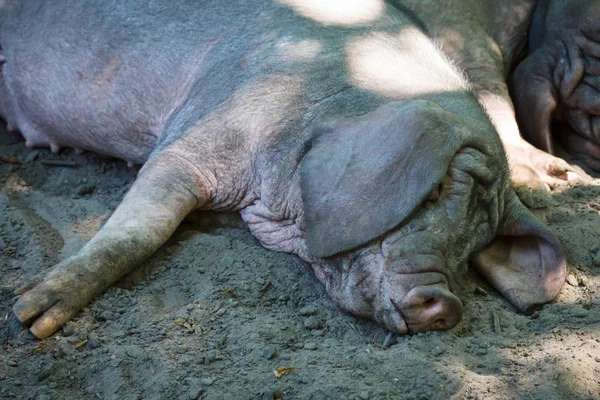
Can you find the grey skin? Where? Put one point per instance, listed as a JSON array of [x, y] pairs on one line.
[[539, 54], [561, 76], [341, 135]]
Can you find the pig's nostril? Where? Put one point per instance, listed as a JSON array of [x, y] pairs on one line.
[[429, 308], [429, 303]]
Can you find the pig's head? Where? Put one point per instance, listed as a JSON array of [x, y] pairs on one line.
[[560, 78], [397, 202]]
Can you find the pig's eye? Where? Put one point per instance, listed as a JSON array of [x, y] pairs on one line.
[[435, 193]]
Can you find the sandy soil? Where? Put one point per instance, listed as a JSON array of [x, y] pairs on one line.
[[212, 314]]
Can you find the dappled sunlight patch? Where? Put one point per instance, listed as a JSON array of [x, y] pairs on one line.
[[87, 227], [338, 12], [16, 183], [304, 50], [393, 64]]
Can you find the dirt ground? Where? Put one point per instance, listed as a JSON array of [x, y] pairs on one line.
[[212, 314]]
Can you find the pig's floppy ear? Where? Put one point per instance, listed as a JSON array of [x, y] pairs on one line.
[[525, 262], [364, 175]]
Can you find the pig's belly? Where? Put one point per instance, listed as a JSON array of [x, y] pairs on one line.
[[97, 117]]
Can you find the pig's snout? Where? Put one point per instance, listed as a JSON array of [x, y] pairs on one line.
[[431, 308]]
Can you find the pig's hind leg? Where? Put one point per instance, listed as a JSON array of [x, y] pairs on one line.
[[167, 189]]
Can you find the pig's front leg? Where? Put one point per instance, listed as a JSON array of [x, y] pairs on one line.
[[164, 193], [531, 169]]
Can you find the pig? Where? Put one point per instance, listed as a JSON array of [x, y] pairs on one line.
[[530, 62], [338, 130]]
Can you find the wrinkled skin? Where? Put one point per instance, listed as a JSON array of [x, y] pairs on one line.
[[561, 77], [488, 46], [344, 138]]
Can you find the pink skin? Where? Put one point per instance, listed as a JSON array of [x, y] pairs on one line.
[[387, 194]]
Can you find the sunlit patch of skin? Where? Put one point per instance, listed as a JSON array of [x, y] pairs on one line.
[[389, 64], [338, 12], [304, 50]]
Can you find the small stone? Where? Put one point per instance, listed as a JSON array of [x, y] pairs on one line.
[[267, 395], [12, 363], [212, 355], [105, 316], [596, 260], [32, 156], [439, 350], [480, 291], [207, 381], [387, 340], [597, 359], [308, 310], [195, 392], [312, 323], [93, 341], [317, 332], [227, 262], [580, 312], [45, 374], [481, 351], [310, 346], [299, 345], [571, 280], [364, 395], [84, 190], [269, 352], [69, 329]]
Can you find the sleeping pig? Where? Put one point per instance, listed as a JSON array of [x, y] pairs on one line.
[[338, 131]]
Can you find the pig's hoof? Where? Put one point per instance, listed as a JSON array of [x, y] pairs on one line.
[[49, 303], [535, 172]]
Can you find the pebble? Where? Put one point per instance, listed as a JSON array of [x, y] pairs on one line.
[[571, 280], [195, 392], [481, 351], [308, 310], [310, 346], [596, 260], [317, 332], [269, 352], [364, 395], [32, 156], [93, 341], [207, 381], [105, 316], [45, 374], [387, 342], [86, 189], [69, 328], [480, 291], [12, 363], [580, 312], [439, 350], [312, 323]]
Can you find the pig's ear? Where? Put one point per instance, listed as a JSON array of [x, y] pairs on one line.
[[525, 261], [365, 175]]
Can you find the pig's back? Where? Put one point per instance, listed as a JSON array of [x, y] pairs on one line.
[[109, 76], [105, 76]]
